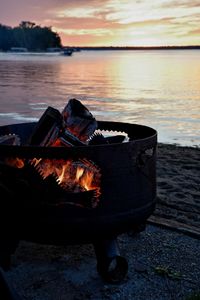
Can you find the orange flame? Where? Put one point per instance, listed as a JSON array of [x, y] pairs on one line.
[[75, 176], [79, 173], [87, 180], [78, 176], [61, 177]]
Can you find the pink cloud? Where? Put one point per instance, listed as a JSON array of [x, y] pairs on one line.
[[99, 18]]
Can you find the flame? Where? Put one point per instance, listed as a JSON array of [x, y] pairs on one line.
[[60, 178], [85, 178], [35, 161], [79, 173], [74, 176], [86, 181]]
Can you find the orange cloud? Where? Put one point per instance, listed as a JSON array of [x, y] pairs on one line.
[[110, 22]]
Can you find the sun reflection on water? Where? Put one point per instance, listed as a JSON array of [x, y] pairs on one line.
[[155, 88]]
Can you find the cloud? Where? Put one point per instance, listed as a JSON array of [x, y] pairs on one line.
[[81, 23], [179, 3], [108, 21], [195, 32], [94, 32]]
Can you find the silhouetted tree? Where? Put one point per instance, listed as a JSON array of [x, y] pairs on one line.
[[6, 37], [28, 35], [26, 24]]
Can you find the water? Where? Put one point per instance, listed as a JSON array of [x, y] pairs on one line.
[[160, 88]]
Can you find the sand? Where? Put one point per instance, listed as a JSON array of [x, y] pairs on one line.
[[178, 188], [163, 260]]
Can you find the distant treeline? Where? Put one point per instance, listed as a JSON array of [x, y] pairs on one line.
[[28, 35]]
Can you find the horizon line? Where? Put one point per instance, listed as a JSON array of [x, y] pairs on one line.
[[136, 47]]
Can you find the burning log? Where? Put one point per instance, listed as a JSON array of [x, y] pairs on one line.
[[50, 131], [71, 177], [47, 128], [72, 127], [60, 179], [79, 120]]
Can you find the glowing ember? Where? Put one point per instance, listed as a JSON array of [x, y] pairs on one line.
[[15, 162], [75, 176]]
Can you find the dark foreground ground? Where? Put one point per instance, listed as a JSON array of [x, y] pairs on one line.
[[163, 264]]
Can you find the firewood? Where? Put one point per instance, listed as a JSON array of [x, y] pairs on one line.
[[79, 120]]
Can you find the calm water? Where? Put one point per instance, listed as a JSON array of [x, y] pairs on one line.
[[160, 89]]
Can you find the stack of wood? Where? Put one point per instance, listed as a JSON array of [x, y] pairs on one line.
[[74, 126]]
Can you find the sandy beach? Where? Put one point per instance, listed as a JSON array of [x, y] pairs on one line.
[[164, 260], [178, 188]]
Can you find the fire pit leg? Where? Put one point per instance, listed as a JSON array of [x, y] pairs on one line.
[[110, 265]]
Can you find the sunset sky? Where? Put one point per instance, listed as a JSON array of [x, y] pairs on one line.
[[111, 22]]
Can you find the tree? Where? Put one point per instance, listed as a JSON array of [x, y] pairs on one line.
[[26, 24], [28, 35], [6, 37]]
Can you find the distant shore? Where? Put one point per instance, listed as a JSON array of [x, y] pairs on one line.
[[197, 47], [78, 48], [105, 48]]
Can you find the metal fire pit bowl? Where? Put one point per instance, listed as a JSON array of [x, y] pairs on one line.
[[128, 191]]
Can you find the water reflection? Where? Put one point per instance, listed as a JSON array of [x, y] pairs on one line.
[[156, 88]]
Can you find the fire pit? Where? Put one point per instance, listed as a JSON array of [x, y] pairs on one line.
[[35, 208]]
